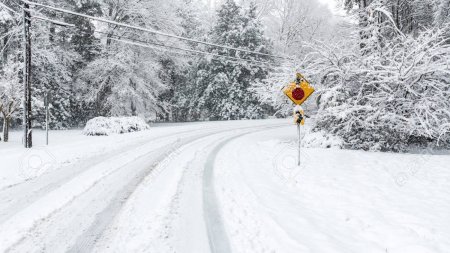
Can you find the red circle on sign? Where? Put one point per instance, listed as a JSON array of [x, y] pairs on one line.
[[298, 94]]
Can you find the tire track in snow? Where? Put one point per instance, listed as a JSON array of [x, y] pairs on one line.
[[217, 235], [185, 186], [86, 242], [20, 196], [42, 234], [44, 221]]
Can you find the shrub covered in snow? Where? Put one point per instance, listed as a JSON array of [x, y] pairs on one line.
[[392, 99], [321, 139], [114, 125]]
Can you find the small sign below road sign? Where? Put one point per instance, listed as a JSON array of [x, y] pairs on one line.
[[299, 91], [299, 115]]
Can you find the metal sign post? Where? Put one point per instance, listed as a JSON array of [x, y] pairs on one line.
[[298, 92], [46, 125], [299, 143]]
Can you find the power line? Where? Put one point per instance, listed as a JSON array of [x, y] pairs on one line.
[[152, 45], [53, 21], [149, 45], [154, 31]]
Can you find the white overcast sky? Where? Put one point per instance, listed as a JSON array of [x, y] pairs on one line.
[[332, 5]]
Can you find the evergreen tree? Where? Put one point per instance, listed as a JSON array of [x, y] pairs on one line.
[[82, 38], [53, 62], [87, 45], [225, 84], [176, 72]]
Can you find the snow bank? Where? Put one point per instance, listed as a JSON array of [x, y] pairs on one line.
[[114, 125]]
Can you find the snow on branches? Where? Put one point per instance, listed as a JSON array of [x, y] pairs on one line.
[[391, 99], [10, 89]]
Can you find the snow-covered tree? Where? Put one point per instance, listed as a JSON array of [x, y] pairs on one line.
[[123, 83], [294, 22], [53, 65], [178, 69], [223, 85], [385, 87], [442, 13], [127, 72], [10, 91]]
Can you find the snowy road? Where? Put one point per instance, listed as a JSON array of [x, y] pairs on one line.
[[71, 208], [221, 187]]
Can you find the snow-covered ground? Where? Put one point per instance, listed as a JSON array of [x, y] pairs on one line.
[[337, 201], [218, 187]]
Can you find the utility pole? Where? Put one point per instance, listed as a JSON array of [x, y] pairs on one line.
[[27, 77]]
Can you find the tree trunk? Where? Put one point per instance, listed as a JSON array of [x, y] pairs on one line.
[[5, 52], [110, 32], [397, 15], [363, 22], [51, 36], [6, 129]]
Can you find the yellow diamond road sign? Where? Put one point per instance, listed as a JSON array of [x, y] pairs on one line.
[[299, 91]]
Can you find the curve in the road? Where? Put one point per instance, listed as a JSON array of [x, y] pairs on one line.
[[217, 235], [104, 217], [87, 241], [19, 196], [89, 237]]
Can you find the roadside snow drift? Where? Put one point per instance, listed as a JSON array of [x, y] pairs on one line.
[[114, 125]]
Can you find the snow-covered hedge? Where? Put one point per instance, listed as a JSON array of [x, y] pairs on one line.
[[114, 125]]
